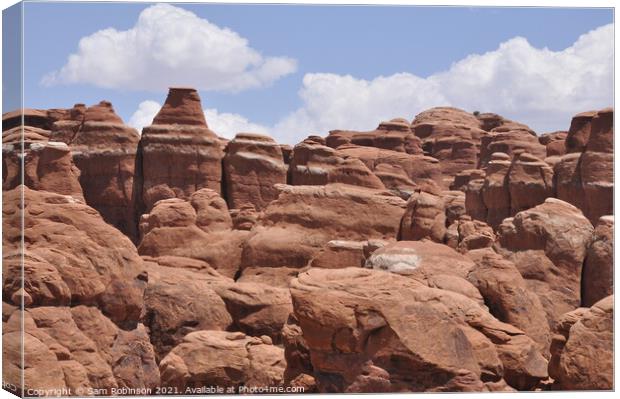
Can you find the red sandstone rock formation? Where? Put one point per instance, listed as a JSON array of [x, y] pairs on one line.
[[374, 331], [425, 217], [47, 165], [424, 122], [555, 143], [180, 228], [252, 166], [508, 187], [394, 135], [414, 170], [597, 279], [179, 136], [466, 234], [582, 355], [548, 244], [452, 136], [289, 235], [579, 132], [224, 359], [104, 149], [585, 179], [313, 163], [72, 258], [305, 284], [508, 297]]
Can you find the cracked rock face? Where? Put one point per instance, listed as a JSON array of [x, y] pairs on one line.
[[72, 256], [374, 331], [179, 136], [253, 165], [582, 355], [548, 244], [225, 359], [584, 176], [342, 264], [104, 149], [597, 278]]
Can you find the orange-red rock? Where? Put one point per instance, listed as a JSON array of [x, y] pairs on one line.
[[395, 135], [597, 279], [252, 166], [373, 331], [72, 253], [582, 355], [304, 218], [421, 170], [585, 179], [507, 140], [224, 359], [313, 163], [548, 244], [425, 217], [47, 165], [579, 131], [466, 234], [555, 142], [179, 136], [180, 228], [509, 299], [104, 149]]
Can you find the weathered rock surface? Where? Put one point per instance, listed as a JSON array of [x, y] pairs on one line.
[[252, 166], [508, 187], [454, 202], [180, 228], [372, 331], [530, 182], [548, 244], [452, 136], [71, 256], [509, 299], [304, 218], [432, 264], [423, 122], [104, 149], [579, 131], [337, 254], [395, 135], [425, 217], [179, 136], [364, 274], [47, 165], [180, 301], [466, 235], [225, 359], [31, 117], [597, 278], [76, 349], [421, 170], [585, 179], [509, 141], [257, 309], [582, 355], [313, 163], [555, 142]]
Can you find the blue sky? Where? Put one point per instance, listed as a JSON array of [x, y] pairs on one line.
[[365, 42]]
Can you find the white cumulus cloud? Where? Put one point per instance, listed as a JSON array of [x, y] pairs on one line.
[[170, 46], [144, 115], [228, 124], [223, 123], [539, 87]]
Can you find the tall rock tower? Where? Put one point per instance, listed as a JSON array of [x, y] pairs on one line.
[[180, 154]]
